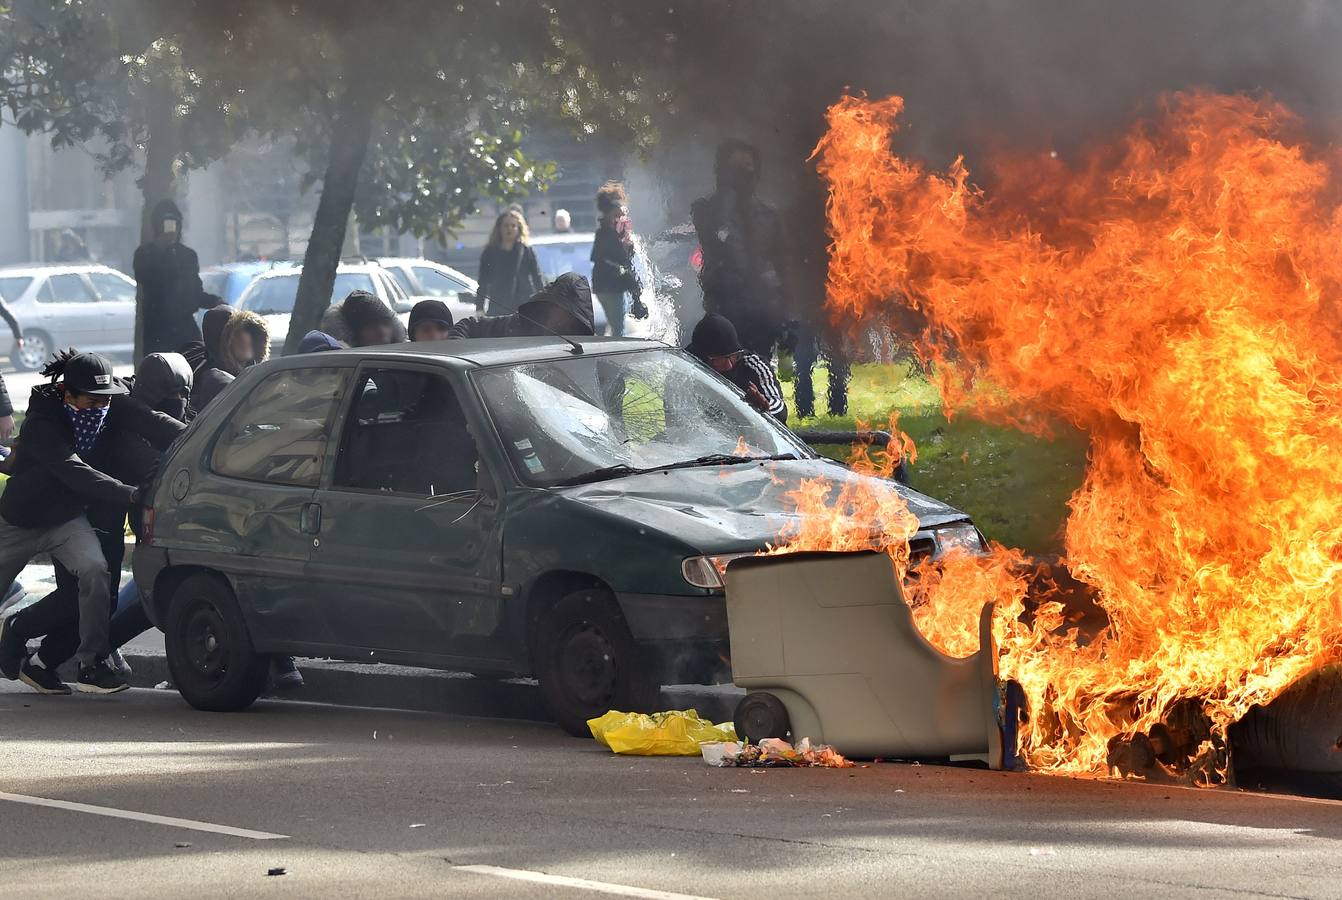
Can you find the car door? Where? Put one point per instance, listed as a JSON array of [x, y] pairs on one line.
[[68, 312], [116, 302], [408, 557], [252, 514]]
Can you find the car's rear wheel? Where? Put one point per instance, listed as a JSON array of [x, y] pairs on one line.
[[588, 662], [210, 653], [35, 353]]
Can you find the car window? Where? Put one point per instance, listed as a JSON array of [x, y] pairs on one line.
[[278, 434], [12, 288], [437, 284], [402, 278], [112, 288], [271, 296], [346, 282], [407, 434], [392, 287], [215, 283], [556, 259], [65, 288], [572, 418]]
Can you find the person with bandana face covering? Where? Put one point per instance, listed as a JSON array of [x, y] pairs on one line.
[[61, 500], [744, 251]]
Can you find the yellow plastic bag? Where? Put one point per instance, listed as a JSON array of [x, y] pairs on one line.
[[678, 732]]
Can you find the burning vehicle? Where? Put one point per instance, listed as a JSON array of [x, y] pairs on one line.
[[513, 507]]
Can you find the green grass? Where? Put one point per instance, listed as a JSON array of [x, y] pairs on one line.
[[1014, 485]]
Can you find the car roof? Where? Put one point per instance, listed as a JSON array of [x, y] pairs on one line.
[[484, 352], [34, 269], [567, 237]]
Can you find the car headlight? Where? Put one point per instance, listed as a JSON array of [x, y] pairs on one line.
[[958, 537], [706, 571]]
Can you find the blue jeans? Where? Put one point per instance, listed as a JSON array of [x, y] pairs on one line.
[[613, 305]]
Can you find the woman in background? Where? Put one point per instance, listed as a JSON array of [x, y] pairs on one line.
[[613, 273], [509, 272]]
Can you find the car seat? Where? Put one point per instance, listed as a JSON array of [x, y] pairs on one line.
[[829, 649]]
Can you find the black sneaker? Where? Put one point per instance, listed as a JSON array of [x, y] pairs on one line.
[[13, 649], [99, 679], [42, 680]]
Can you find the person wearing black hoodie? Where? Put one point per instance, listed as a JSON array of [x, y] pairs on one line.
[[57, 490], [168, 275], [234, 339], [363, 320], [564, 306]]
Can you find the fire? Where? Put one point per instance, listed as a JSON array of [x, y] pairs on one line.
[[1175, 294]]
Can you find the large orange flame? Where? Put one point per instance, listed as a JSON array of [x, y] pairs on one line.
[[1176, 295]]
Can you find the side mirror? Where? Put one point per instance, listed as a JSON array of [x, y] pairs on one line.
[[466, 296]]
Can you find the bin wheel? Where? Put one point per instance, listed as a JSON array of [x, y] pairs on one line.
[[761, 715]]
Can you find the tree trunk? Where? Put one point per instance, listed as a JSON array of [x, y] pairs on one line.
[[159, 181], [350, 134]]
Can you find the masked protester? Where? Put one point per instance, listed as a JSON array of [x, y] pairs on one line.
[[362, 320], [564, 306], [715, 344], [58, 492], [168, 274], [430, 320], [744, 251], [234, 340]]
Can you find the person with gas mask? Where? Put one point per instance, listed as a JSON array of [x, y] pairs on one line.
[[744, 251], [168, 275], [61, 500]]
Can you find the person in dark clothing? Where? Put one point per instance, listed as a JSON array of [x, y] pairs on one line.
[[58, 492], [72, 248], [362, 320], [509, 271], [564, 306], [234, 340], [744, 251], [817, 336], [6, 412], [716, 344], [317, 342], [613, 273], [430, 320], [168, 274], [8, 315]]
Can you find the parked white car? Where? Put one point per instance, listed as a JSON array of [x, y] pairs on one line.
[[271, 295], [424, 279], [82, 305]]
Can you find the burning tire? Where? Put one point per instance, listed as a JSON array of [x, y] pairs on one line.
[[588, 662]]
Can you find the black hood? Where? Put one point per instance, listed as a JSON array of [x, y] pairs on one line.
[[571, 293], [158, 376], [165, 209], [212, 329]]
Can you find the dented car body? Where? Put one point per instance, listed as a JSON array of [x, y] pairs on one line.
[[513, 507]]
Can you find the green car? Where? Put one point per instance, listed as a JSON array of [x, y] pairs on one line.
[[507, 507]]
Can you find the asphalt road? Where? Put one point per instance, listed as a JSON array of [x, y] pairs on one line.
[[357, 802]]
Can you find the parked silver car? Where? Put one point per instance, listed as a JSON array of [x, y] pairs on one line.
[[87, 306]]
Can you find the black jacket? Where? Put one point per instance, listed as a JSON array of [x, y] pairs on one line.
[[612, 262], [569, 291], [49, 483], [169, 280], [745, 253], [508, 278], [7, 314], [6, 407]]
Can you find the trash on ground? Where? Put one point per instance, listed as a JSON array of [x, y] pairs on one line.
[[677, 732], [278, 870], [163, 686], [774, 753]]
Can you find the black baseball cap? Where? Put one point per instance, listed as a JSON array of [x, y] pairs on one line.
[[89, 373], [714, 336]]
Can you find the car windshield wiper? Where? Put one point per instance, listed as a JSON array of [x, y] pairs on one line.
[[603, 474], [725, 459]]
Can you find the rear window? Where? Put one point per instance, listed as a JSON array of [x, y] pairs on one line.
[[12, 288], [278, 434]]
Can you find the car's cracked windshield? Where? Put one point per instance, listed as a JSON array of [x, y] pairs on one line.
[[590, 418]]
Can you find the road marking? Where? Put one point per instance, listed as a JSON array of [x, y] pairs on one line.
[[144, 817], [582, 884]]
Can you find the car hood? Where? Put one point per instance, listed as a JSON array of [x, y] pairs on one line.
[[723, 509]]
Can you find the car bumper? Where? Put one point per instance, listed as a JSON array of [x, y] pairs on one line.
[[685, 638], [146, 564]]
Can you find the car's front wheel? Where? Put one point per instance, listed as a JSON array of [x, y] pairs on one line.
[[210, 653], [588, 662]]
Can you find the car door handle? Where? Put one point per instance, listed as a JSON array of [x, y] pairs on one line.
[[310, 519]]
